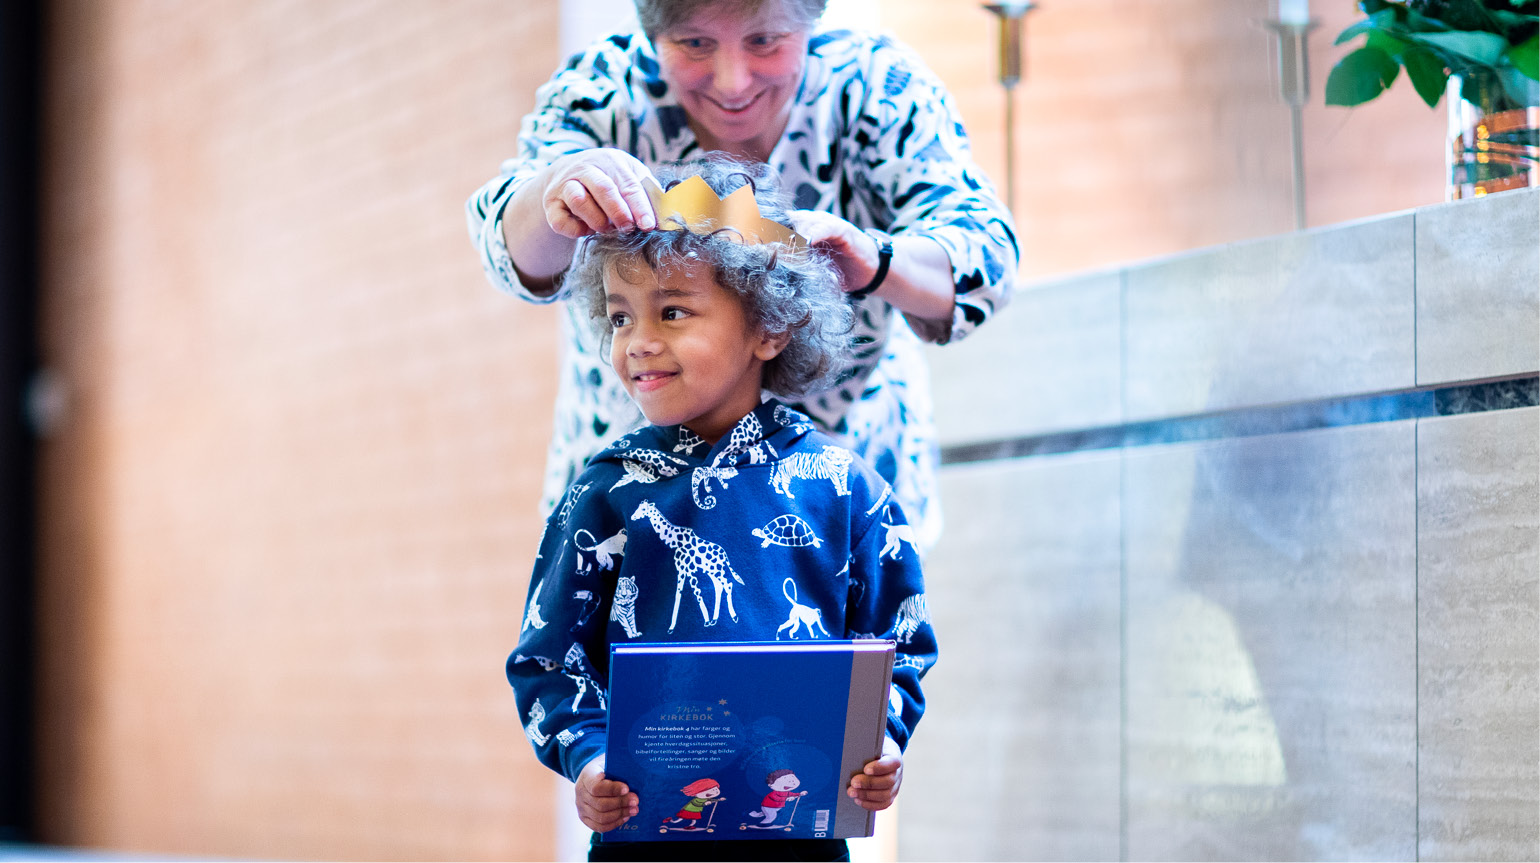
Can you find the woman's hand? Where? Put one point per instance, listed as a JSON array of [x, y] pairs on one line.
[[603, 804], [919, 279], [581, 193], [853, 251], [594, 191]]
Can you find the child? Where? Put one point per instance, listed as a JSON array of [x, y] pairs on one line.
[[702, 793], [728, 517], [781, 782]]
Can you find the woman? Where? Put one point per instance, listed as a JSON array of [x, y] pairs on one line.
[[861, 134]]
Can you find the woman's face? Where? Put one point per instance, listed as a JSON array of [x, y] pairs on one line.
[[735, 74]]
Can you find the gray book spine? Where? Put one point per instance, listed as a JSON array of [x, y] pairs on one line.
[[866, 722]]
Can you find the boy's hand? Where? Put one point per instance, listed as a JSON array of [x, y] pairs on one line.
[[603, 804], [876, 787]]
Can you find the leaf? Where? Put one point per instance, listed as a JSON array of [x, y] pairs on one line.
[[1511, 19], [1378, 21], [1427, 73], [1360, 76], [1526, 57], [1483, 48], [1416, 22], [1387, 43], [1519, 88]]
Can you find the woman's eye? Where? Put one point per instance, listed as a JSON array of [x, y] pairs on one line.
[[694, 45], [765, 43]]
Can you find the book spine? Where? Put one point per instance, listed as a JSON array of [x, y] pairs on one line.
[[866, 722]]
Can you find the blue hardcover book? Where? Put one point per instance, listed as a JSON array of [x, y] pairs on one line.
[[747, 740]]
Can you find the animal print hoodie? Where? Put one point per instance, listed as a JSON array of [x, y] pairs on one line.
[[774, 533]]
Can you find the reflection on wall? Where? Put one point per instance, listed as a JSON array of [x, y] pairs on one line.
[[1295, 556]]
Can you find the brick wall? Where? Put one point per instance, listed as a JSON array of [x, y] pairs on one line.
[[1153, 127], [289, 504]]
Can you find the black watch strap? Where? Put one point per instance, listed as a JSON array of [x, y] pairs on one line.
[[884, 259]]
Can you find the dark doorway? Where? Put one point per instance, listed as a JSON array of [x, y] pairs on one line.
[[20, 135]]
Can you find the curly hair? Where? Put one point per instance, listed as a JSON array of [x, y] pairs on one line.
[[658, 16], [782, 290]]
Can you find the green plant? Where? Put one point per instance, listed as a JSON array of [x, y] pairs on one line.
[[1433, 39]]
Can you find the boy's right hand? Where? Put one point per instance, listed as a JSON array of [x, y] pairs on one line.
[[603, 804]]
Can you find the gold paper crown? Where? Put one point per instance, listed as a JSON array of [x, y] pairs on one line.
[[693, 206]]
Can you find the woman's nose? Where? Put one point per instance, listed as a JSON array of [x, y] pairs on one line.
[[731, 73]]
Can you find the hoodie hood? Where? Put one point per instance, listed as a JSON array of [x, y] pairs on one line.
[[758, 438]]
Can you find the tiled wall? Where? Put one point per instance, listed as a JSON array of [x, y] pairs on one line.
[[1310, 641]]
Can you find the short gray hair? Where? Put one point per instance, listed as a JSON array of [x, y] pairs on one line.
[[659, 16], [782, 290]]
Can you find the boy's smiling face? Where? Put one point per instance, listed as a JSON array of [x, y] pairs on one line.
[[683, 347]]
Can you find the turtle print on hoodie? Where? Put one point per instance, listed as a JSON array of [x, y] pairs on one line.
[[873, 138], [806, 557]]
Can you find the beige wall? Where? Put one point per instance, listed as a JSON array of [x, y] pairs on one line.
[[289, 504], [288, 508]]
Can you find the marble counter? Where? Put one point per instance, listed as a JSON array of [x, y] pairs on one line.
[[1241, 555]]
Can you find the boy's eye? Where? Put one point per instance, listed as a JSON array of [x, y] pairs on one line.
[[674, 313], [618, 320]]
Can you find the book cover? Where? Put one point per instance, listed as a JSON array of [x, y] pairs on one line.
[[747, 740]]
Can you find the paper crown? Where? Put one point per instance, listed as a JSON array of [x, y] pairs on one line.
[[693, 206]]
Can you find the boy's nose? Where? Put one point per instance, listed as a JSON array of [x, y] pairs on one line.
[[644, 341]]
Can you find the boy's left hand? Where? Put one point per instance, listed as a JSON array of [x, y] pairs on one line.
[[876, 787]]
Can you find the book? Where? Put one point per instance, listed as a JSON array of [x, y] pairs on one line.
[[751, 740]]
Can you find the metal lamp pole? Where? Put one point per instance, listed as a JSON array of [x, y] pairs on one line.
[[1010, 15], [1292, 28]]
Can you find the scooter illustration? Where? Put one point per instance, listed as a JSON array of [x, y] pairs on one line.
[[782, 784], [702, 793]]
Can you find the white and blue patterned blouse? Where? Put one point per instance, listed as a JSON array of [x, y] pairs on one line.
[[874, 138]]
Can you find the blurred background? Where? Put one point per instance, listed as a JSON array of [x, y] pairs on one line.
[[286, 441]]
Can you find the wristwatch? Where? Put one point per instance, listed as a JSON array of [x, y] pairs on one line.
[[884, 259]]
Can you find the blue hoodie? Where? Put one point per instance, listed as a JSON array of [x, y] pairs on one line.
[[773, 533]]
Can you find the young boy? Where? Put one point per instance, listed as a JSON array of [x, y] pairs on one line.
[[729, 518]]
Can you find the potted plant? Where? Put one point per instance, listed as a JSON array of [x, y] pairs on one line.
[[1483, 53]]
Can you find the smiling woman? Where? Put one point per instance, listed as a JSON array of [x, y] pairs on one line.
[[735, 76], [863, 138]]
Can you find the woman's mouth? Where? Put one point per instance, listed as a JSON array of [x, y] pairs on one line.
[[735, 107]]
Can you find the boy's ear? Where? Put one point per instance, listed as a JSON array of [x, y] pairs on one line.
[[771, 345]]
